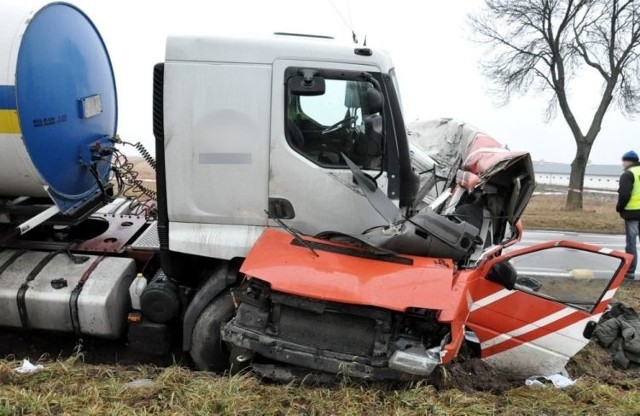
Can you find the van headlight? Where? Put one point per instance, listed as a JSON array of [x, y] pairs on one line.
[[416, 360]]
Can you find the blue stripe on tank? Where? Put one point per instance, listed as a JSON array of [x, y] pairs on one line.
[[7, 97]]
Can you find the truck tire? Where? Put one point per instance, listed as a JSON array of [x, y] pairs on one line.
[[207, 348]]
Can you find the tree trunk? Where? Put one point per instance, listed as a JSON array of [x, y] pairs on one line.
[[576, 179]]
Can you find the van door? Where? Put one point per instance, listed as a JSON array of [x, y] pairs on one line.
[[561, 290], [310, 185]]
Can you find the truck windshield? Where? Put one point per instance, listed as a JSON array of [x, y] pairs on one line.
[[323, 127]]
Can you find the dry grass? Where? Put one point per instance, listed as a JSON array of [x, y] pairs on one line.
[[144, 170], [547, 212], [70, 387], [629, 294]]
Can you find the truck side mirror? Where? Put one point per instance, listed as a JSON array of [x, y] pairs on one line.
[[373, 124], [373, 128], [307, 84], [374, 100]]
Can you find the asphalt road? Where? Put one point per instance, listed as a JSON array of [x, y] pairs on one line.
[[612, 241]]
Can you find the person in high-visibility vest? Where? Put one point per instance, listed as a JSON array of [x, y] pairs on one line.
[[629, 205]]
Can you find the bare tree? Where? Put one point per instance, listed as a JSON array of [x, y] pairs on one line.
[[541, 44]]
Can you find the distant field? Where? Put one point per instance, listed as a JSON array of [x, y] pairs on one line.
[[143, 168], [547, 212]]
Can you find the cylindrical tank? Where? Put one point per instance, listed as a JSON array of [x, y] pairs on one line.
[[57, 100]]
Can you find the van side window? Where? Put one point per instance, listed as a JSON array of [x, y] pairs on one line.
[[571, 276], [322, 127]]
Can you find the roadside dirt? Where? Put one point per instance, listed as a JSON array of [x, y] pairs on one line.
[[547, 212], [474, 375]]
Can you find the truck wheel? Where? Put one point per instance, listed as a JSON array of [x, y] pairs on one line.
[[207, 348]]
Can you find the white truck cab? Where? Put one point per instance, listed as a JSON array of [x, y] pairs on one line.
[[244, 136]]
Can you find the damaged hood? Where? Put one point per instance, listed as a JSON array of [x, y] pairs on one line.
[[344, 274]]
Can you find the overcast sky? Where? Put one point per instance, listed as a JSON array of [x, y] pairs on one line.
[[435, 58]]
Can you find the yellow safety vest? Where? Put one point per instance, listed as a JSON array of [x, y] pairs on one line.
[[634, 202]]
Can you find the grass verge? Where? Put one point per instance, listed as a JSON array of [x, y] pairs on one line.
[[547, 212], [70, 387]]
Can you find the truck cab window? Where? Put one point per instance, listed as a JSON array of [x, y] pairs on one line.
[[341, 120]]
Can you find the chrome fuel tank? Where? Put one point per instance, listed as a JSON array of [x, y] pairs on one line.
[[49, 291]]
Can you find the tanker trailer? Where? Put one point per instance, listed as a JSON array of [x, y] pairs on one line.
[[58, 108], [58, 215]]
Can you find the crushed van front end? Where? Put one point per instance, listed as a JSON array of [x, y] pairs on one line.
[[353, 340], [389, 321]]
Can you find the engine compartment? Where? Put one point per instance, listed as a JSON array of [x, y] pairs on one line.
[[351, 340]]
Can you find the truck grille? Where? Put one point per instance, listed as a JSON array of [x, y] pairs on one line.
[[337, 332]]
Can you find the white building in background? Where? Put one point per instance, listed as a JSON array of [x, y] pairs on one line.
[[597, 176]]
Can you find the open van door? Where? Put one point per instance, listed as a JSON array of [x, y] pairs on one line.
[[558, 293]]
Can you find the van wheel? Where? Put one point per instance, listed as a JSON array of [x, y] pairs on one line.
[[208, 351]]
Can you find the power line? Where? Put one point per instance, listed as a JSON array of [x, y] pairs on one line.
[[349, 14], [347, 23]]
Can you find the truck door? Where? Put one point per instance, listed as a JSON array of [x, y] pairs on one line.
[[561, 290], [310, 185]]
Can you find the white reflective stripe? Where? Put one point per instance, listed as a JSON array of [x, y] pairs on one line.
[[491, 298], [609, 294], [605, 251], [528, 328], [495, 341], [547, 354]]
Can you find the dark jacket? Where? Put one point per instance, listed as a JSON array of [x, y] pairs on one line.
[[619, 330], [624, 195]]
